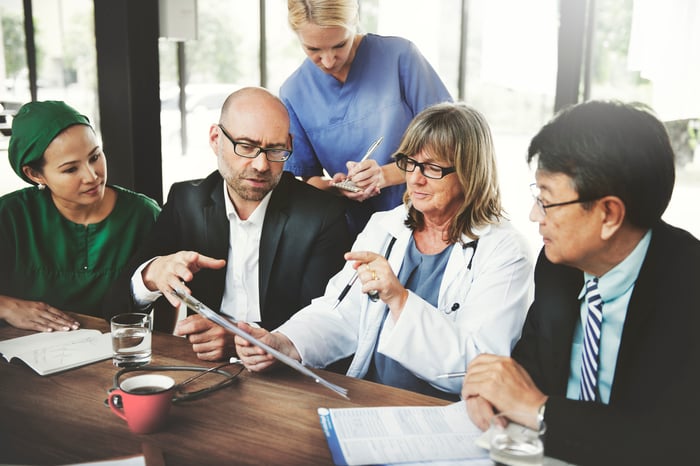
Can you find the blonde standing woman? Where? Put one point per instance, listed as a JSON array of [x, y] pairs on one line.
[[352, 89]]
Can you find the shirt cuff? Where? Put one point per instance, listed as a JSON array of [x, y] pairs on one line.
[[142, 295]]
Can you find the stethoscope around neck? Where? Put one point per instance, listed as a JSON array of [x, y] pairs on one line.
[[472, 244]]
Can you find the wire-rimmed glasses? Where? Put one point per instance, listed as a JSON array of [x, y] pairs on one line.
[[542, 207], [250, 151], [429, 170]]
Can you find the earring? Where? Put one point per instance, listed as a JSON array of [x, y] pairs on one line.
[[41, 187]]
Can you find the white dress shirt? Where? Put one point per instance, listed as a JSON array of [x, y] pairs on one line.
[[241, 298], [241, 294]]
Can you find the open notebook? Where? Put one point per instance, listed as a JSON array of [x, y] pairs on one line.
[[51, 352]]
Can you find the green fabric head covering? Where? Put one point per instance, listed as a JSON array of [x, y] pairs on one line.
[[34, 127]]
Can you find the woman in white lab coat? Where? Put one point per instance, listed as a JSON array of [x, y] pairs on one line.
[[450, 277]]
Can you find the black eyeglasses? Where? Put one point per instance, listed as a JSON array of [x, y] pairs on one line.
[[535, 191], [429, 170], [250, 151]]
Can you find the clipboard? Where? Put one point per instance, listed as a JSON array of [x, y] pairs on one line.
[[229, 324]]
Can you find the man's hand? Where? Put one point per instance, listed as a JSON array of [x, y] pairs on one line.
[[210, 342], [254, 358], [35, 315], [480, 411], [169, 273], [503, 384]]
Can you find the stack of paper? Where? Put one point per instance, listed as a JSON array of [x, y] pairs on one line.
[[385, 435]]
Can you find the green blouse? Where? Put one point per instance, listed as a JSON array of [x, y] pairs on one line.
[[46, 257]]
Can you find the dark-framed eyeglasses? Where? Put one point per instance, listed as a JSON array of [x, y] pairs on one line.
[[542, 207], [429, 170], [250, 151]]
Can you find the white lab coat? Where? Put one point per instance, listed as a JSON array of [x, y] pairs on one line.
[[480, 310]]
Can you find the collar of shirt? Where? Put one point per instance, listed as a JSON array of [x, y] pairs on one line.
[[258, 215], [618, 280], [241, 298]]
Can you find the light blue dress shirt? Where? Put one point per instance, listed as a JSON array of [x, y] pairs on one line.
[[615, 289]]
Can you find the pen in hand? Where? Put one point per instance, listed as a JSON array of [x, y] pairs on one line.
[[372, 148], [373, 295], [452, 375], [347, 184]]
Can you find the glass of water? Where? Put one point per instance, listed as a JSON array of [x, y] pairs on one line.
[[517, 439], [131, 339]]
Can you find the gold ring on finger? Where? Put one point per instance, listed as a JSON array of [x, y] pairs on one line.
[[374, 275]]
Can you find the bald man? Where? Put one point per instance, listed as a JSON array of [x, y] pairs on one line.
[[250, 240]]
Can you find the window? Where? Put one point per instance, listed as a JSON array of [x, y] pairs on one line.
[[643, 50], [223, 58], [647, 51], [65, 59], [511, 78], [13, 72]]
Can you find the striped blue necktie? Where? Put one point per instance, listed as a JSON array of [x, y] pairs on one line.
[[591, 343]]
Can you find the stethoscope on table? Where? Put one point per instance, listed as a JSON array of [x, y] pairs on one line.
[[179, 393]]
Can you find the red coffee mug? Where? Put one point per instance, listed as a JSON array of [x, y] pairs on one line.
[[145, 401]]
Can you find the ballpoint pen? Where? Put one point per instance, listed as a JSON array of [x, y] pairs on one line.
[[371, 149], [373, 295], [348, 184], [451, 375]]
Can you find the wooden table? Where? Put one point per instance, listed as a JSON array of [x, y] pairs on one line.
[[265, 418]]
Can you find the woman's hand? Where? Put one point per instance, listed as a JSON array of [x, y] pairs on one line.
[[375, 274], [366, 175], [35, 315], [256, 359]]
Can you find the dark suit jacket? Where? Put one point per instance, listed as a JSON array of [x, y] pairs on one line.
[[655, 391], [303, 239]]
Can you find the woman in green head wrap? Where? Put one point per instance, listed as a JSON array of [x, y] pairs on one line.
[[64, 240]]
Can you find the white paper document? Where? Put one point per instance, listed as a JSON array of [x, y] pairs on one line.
[[51, 352], [387, 435], [229, 324], [131, 461]]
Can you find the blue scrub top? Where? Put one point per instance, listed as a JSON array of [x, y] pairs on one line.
[[389, 82]]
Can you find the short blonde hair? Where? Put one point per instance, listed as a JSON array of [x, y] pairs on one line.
[[324, 13], [458, 135]]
